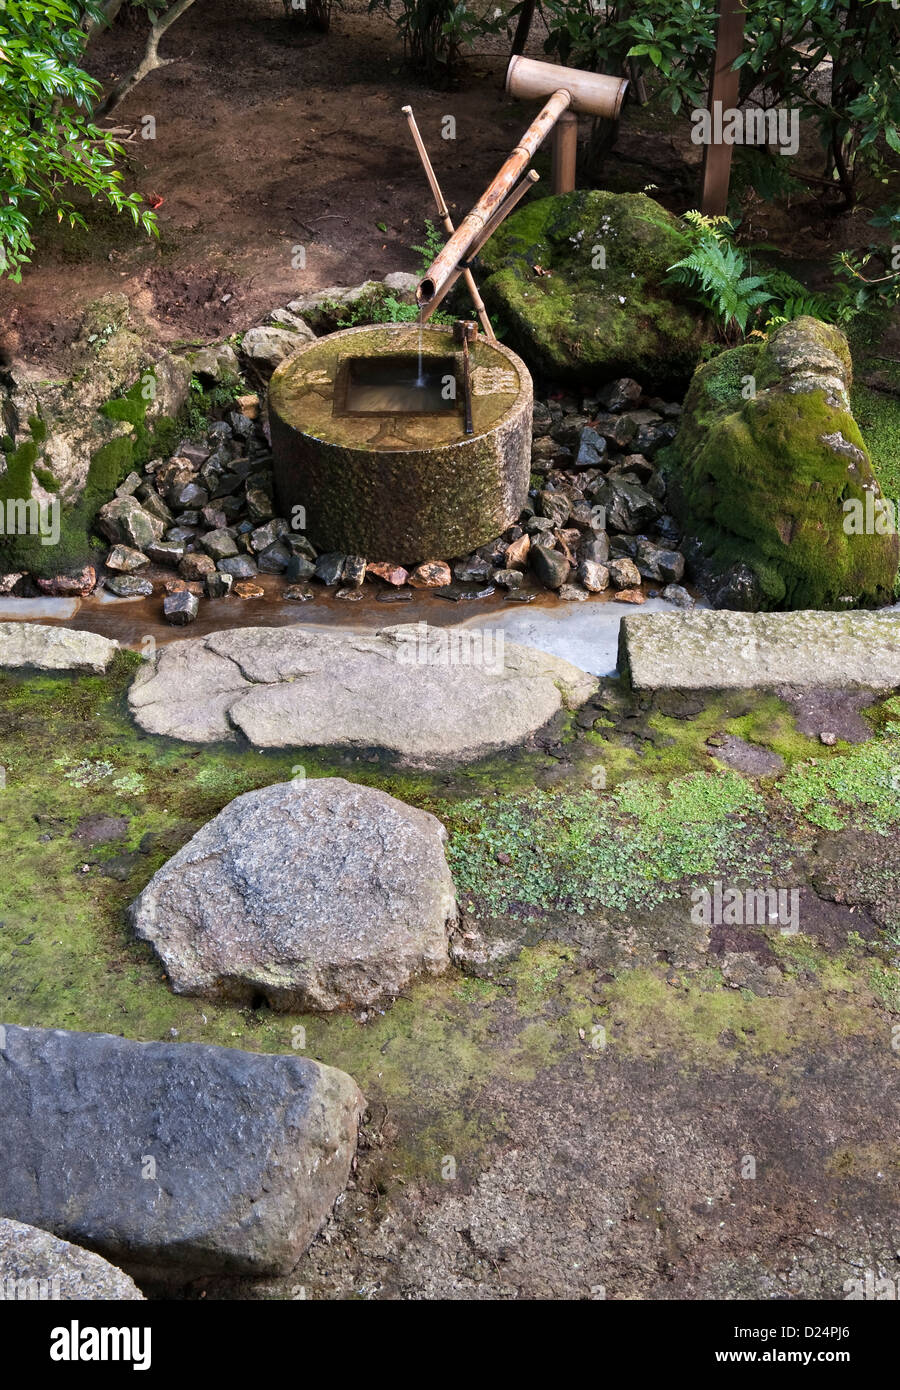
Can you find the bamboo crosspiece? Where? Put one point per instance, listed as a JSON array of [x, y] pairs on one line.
[[444, 215]]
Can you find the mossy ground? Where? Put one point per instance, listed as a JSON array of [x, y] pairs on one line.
[[582, 860]]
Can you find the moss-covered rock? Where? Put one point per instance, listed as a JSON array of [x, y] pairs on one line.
[[75, 439], [579, 280], [766, 457]]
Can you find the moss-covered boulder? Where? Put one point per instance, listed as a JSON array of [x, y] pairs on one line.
[[769, 473], [72, 440], [578, 278]]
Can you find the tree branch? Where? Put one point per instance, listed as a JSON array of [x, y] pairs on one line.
[[150, 61]]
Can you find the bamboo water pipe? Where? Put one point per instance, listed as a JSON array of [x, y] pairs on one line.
[[568, 89], [457, 248], [493, 222]]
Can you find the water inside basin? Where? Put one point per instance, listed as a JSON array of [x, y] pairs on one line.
[[396, 385]]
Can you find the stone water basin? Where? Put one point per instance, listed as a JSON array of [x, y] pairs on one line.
[[380, 468]]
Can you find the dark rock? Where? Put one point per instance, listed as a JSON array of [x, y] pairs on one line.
[[619, 395], [299, 544], [474, 570], [591, 449], [275, 559], [185, 495], [541, 420], [218, 585], [654, 562], [595, 549], [508, 579], [628, 507], [330, 567], [260, 506], [299, 567], [653, 436], [214, 518], [85, 1113], [674, 593], [736, 587], [298, 593], [224, 486], [128, 586], [555, 506], [354, 571], [264, 536], [219, 545], [550, 567], [181, 607], [238, 566]]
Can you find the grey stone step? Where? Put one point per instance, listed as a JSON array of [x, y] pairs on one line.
[[724, 650]]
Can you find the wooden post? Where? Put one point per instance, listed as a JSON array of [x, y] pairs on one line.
[[724, 89], [565, 152]]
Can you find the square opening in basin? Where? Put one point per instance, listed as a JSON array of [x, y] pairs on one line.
[[394, 386]]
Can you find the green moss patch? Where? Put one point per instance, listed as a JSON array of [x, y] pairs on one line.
[[578, 279]]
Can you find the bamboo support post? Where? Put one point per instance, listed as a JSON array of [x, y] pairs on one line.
[[444, 215], [565, 153]]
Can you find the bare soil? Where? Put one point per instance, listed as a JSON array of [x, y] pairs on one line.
[[269, 139]]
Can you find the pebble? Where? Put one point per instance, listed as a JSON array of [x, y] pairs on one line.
[[180, 607]]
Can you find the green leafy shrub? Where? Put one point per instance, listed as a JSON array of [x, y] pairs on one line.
[[49, 141]]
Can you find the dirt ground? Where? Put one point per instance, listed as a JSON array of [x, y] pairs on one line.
[[269, 139]]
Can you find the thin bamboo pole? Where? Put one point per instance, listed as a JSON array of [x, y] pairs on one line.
[[444, 215], [458, 247]]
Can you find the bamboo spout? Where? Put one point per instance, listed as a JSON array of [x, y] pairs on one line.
[[459, 246]]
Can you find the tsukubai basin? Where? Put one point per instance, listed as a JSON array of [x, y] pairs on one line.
[[396, 483]]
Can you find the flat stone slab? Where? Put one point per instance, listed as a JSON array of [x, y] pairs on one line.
[[45, 648], [318, 894], [172, 1156], [722, 650], [426, 694], [35, 1265]]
